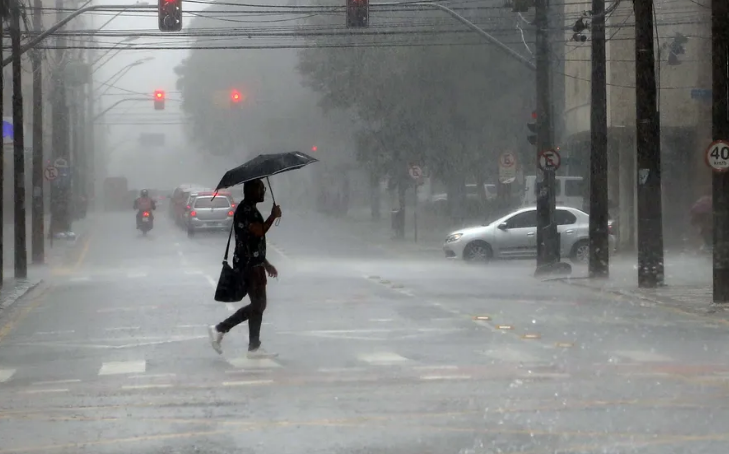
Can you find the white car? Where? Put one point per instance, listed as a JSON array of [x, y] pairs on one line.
[[515, 236]]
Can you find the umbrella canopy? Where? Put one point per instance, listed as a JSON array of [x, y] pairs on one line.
[[264, 166]]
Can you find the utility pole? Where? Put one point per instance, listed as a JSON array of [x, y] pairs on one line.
[[60, 188], [599, 248], [650, 206], [547, 237], [2, 170], [37, 219], [21, 258], [720, 131]]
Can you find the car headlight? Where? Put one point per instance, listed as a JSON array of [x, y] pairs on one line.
[[453, 237]]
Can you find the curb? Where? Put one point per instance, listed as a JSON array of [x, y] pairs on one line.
[[651, 302], [18, 294]]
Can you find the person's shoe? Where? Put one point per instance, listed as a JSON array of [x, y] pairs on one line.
[[216, 337], [260, 353]]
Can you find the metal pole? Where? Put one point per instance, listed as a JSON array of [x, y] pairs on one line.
[[60, 188], [599, 249], [37, 221], [650, 207], [21, 258], [720, 131], [547, 239], [2, 172]]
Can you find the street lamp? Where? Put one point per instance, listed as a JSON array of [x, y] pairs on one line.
[[123, 71]]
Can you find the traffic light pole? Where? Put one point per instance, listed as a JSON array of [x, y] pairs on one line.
[[20, 252], [650, 206], [720, 131], [548, 256], [599, 247], [37, 208]]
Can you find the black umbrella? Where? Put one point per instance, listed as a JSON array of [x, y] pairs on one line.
[[264, 166]]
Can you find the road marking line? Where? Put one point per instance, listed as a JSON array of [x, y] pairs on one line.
[[152, 386], [193, 272], [56, 382], [544, 375], [337, 370], [123, 367], [51, 333], [125, 309], [445, 377], [213, 283], [230, 307], [10, 325], [80, 279], [643, 356], [82, 256], [278, 251], [435, 367], [382, 320], [152, 376], [247, 382], [43, 391], [248, 363], [510, 355], [6, 374], [136, 274], [192, 326], [382, 358], [122, 328]]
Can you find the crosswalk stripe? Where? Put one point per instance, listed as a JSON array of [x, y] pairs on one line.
[[249, 363], [123, 367], [643, 356], [382, 358], [6, 374]]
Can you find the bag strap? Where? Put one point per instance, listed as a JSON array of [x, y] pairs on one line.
[[227, 247]]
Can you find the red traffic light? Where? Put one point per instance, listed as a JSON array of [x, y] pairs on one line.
[[235, 96], [159, 95], [534, 114]]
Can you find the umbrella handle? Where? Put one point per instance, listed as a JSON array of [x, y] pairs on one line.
[[273, 198]]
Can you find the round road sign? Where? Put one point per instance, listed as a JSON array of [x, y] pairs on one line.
[[549, 160], [415, 172], [507, 160], [717, 155], [51, 173]]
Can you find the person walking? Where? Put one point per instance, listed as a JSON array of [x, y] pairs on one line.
[[250, 259]]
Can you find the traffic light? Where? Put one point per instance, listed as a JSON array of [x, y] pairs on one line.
[[314, 148], [159, 100], [169, 14], [236, 98], [358, 13], [532, 138]]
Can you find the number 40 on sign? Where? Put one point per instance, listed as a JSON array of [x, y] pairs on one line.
[[717, 155]]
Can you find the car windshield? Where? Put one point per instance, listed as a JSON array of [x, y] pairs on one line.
[[217, 202]]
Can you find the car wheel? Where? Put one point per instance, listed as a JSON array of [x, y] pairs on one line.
[[478, 252], [580, 252]]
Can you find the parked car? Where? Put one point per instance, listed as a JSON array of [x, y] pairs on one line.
[[209, 213], [515, 236]]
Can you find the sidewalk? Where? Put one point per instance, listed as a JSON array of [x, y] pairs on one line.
[[688, 279], [12, 288]]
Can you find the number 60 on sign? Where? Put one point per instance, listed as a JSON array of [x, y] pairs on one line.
[[717, 155]]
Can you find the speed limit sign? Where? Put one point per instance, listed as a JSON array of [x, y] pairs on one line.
[[717, 155]]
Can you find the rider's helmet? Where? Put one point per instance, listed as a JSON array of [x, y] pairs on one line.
[[143, 193]]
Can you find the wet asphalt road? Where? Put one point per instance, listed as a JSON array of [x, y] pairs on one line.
[[380, 352]]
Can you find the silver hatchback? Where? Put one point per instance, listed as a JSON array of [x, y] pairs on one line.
[[208, 213]]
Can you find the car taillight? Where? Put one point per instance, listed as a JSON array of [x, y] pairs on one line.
[[230, 213], [193, 213], [145, 214]]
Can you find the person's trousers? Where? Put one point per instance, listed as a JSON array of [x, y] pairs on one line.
[[256, 281]]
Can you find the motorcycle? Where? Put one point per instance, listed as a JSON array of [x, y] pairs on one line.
[[146, 222]]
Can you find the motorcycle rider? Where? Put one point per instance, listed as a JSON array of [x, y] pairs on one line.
[[142, 204]]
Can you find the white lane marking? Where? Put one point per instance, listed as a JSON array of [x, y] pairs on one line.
[[193, 272], [449, 367], [43, 391], [56, 382], [510, 355], [80, 279], [213, 283], [643, 356], [152, 386], [544, 375], [151, 376], [136, 274], [230, 307], [125, 309], [382, 358], [382, 320], [192, 326], [123, 328], [337, 370], [247, 382], [6, 374], [51, 333], [445, 377], [123, 367], [248, 363]]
